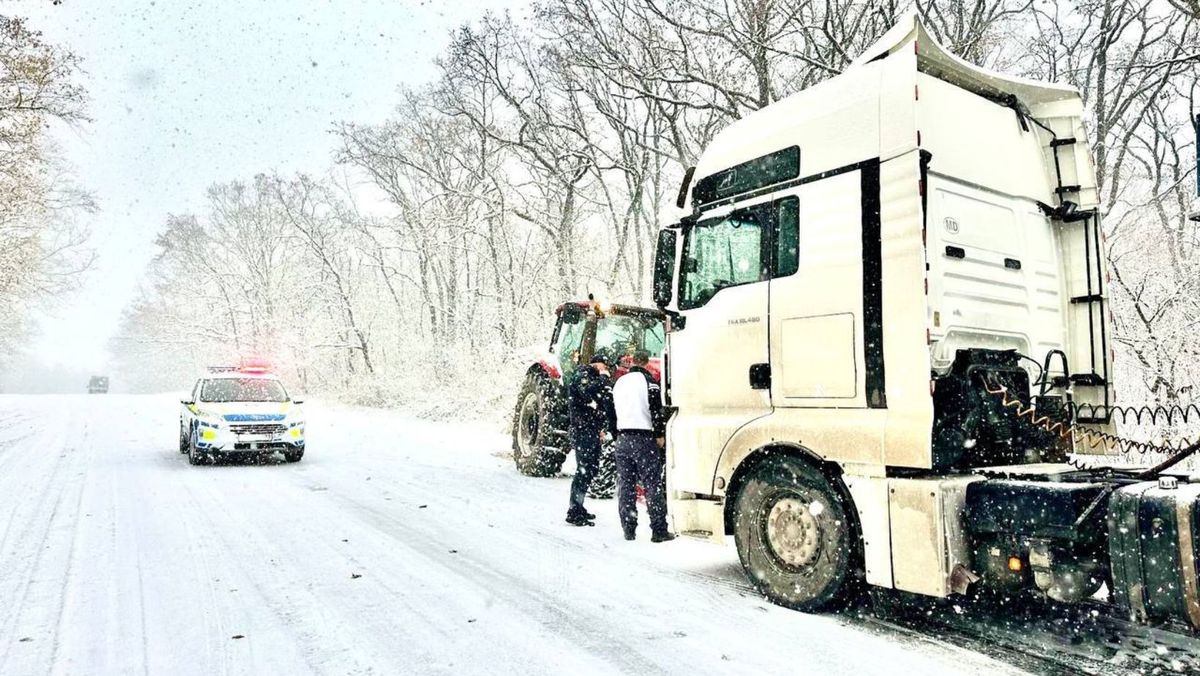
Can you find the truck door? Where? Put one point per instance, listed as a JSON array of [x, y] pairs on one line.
[[819, 337], [719, 359]]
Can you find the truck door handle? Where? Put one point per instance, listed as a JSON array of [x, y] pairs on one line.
[[760, 376]]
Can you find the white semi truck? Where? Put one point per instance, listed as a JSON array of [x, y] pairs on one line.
[[888, 329]]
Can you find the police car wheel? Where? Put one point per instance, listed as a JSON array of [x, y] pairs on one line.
[[295, 456], [195, 455], [795, 538], [183, 440]]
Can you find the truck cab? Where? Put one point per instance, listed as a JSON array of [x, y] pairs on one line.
[[869, 281]]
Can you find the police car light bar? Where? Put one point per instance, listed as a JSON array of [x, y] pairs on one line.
[[254, 366]]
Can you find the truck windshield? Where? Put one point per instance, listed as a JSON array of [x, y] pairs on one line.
[[242, 389]]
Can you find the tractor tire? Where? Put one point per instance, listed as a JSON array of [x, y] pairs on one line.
[[604, 484], [532, 453], [795, 537]]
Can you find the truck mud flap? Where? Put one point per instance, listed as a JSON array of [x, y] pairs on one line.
[[1154, 532]]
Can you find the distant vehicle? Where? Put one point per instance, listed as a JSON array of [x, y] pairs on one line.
[[540, 422], [98, 385], [240, 410]]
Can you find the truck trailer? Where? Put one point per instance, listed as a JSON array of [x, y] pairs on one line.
[[888, 359]]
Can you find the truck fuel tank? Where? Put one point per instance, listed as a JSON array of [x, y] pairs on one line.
[[1153, 535]]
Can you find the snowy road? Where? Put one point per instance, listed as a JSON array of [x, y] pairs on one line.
[[394, 547]]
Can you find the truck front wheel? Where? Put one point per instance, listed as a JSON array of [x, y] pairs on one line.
[[794, 538]]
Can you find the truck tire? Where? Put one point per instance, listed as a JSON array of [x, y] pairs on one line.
[[531, 452], [794, 536], [293, 456], [183, 439], [604, 484]]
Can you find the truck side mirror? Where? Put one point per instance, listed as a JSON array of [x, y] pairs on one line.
[[664, 268]]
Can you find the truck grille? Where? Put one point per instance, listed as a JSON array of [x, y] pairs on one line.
[[258, 428]]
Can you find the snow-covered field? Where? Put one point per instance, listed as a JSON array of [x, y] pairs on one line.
[[396, 546]]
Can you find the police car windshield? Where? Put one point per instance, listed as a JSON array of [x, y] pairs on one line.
[[242, 389]]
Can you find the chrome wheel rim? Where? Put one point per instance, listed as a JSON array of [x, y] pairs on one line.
[[793, 531]]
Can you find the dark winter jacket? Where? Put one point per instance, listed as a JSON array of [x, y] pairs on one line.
[[589, 401]]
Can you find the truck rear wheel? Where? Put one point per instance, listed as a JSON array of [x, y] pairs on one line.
[[531, 452], [794, 538]]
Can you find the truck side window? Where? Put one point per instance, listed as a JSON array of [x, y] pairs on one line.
[[787, 237], [723, 252]]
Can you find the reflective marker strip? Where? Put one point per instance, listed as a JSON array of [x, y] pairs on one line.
[[1187, 560]]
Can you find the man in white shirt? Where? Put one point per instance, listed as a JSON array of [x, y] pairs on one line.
[[638, 452]]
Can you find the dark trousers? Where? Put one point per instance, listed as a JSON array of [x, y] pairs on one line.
[[586, 444], [640, 461]]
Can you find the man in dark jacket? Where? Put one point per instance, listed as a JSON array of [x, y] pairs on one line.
[[589, 402], [641, 431]]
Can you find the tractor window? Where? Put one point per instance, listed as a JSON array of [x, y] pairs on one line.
[[570, 340], [624, 335], [723, 252]]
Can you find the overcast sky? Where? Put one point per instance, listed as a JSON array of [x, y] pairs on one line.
[[185, 94]]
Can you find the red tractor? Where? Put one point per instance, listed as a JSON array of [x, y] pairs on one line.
[[540, 422]]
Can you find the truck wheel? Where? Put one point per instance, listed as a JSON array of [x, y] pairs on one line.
[[531, 453], [794, 538], [183, 440], [294, 456]]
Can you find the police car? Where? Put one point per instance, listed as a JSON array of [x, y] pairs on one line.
[[241, 410]]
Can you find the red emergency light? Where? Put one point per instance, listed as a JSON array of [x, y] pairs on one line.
[[254, 366]]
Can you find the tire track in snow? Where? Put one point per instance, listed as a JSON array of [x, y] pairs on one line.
[[533, 601], [39, 529]]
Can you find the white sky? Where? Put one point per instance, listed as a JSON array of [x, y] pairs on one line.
[[185, 94]]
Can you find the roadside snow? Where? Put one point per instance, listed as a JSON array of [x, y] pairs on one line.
[[396, 546]]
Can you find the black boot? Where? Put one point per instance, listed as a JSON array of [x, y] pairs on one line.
[[630, 532], [662, 537], [580, 518]]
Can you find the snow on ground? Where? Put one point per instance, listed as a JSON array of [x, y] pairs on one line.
[[396, 546]]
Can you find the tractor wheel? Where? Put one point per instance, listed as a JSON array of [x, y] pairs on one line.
[[532, 453], [795, 538], [604, 484]]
